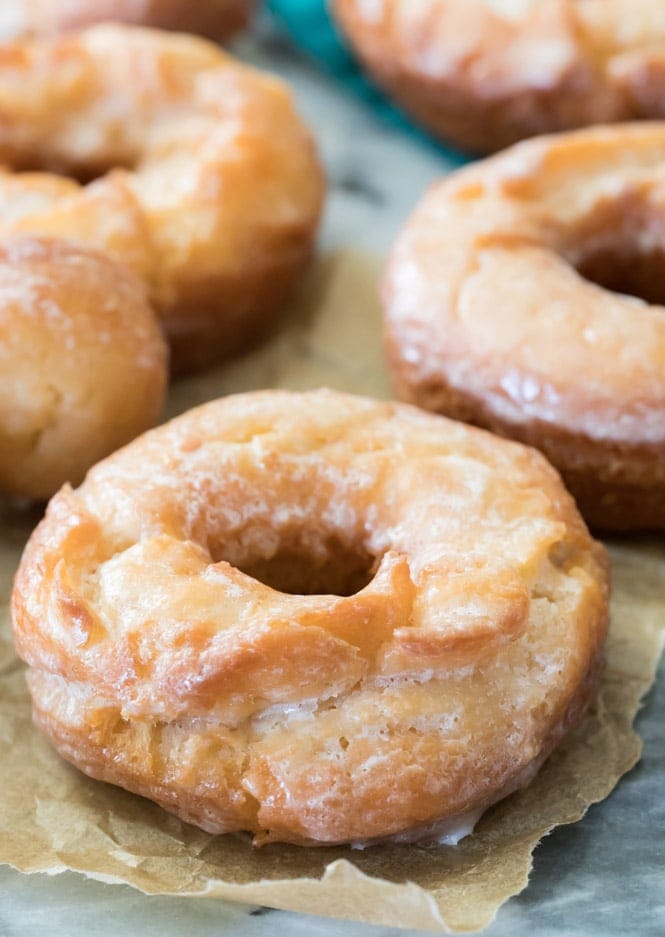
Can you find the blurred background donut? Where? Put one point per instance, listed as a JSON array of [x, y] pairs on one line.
[[207, 182], [216, 19], [483, 74], [526, 295], [83, 362]]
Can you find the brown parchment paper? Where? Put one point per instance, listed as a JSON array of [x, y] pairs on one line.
[[53, 819]]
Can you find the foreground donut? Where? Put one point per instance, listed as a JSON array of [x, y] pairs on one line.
[[82, 360], [217, 19], [217, 204], [503, 308], [315, 617], [485, 73]]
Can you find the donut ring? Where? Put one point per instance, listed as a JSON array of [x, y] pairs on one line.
[[219, 199], [217, 19], [463, 638], [76, 331], [488, 319], [483, 74]]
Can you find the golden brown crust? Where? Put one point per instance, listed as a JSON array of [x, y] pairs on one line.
[[82, 360], [216, 19], [484, 74], [211, 186], [489, 321], [463, 640]]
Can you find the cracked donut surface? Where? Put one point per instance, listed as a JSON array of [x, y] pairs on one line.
[[483, 74], [216, 19], [314, 617], [205, 181], [526, 295]]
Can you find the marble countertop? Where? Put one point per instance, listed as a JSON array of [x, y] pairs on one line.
[[604, 876]]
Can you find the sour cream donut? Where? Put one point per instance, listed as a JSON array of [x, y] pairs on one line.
[[210, 186], [82, 360], [217, 19], [315, 617], [506, 305], [483, 74]]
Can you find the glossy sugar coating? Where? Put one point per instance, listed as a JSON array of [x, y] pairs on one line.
[[83, 363], [494, 313], [483, 74], [209, 185], [313, 616]]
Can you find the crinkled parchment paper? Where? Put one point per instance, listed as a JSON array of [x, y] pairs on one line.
[[52, 818]]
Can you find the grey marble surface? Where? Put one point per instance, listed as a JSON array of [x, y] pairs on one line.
[[603, 877]]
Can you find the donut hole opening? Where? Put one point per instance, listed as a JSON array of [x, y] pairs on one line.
[[83, 173], [620, 246], [625, 271], [303, 564]]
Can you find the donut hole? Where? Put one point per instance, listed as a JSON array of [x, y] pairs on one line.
[[626, 271], [306, 563], [620, 246], [83, 172]]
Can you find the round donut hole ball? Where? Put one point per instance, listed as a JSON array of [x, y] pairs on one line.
[[484, 74], [526, 295], [159, 612], [206, 181], [216, 19], [83, 363]]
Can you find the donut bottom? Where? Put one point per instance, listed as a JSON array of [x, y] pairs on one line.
[[218, 317], [200, 778], [618, 488]]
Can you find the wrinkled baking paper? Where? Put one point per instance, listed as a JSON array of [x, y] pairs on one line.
[[53, 818]]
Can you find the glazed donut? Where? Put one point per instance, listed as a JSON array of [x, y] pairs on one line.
[[315, 617], [483, 74], [82, 359], [217, 19], [512, 301], [217, 204]]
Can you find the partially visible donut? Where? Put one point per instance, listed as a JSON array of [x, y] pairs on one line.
[[315, 617], [83, 363], [505, 303], [483, 74], [216, 19], [211, 186]]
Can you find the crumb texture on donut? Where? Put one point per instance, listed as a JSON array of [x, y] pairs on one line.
[[483, 74], [216, 19], [526, 295], [205, 181], [83, 363], [443, 630]]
